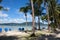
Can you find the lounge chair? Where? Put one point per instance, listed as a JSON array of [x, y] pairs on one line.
[[19, 29], [6, 29], [9, 29], [22, 29], [0, 30]]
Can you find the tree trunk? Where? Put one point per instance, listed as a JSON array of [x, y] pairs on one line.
[[26, 22], [38, 22], [33, 23], [48, 17]]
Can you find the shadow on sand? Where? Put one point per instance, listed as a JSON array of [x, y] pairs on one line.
[[8, 38], [47, 37], [43, 37]]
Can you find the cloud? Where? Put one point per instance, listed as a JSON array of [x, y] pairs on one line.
[[29, 16], [3, 14], [18, 20], [7, 8]]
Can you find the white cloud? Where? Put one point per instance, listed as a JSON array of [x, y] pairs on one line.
[[7, 8], [17, 20], [12, 20], [29, 16], [3, 14]]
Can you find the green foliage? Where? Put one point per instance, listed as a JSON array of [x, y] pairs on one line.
[[44, 17], [53, 9], [24, 9], [0, 1], [53, 25], [1, 7]]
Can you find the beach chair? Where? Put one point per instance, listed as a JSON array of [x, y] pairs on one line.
[[22, 29], [19, 29], [9, 29], [0, 30], [6, 29]]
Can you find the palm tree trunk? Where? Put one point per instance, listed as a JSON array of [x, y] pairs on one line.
[[38, 22], [26, 22], [33, 23], [48, 17]]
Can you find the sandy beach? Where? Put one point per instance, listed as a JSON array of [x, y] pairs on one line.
[[24, 36]]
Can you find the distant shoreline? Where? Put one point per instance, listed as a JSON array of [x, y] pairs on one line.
[[20, 24]]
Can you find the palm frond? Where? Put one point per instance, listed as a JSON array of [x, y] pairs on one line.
[[0, 1], [1, 7]]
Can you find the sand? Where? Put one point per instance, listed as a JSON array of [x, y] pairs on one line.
[[14, 33], [23, 34], [58, 35]]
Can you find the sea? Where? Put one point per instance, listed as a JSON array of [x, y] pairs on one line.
[[15, 28]]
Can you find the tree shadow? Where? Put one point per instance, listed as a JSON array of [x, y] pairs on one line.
[[47, 37], [8, 38]]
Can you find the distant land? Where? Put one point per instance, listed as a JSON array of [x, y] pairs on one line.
[[28, 24]]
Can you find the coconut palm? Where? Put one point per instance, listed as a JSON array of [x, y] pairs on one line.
[[33, 16], [39, 2], [47, 1], [37, 9], [58, 15], [25, 10], [51, 10]]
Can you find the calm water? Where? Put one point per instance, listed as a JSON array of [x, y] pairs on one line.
[[16, 27]]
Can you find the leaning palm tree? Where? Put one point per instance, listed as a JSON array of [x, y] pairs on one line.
[[25, 10]]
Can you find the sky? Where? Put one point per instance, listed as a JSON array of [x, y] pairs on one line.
[[13, 15]]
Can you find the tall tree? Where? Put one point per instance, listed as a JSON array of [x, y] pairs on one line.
[[37, 9], [51, 10], [33, 16], [25, 10], [38, 3]]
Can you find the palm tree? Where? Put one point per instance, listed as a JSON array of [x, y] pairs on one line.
[[47, 8], [51, 10], [25, 10], [37, 9], [39, 2], [58, 15], [33, 16]]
